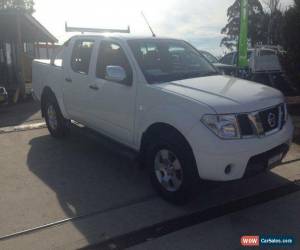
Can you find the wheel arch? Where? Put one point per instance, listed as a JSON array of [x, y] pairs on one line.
[[160, 127], [48, 91]]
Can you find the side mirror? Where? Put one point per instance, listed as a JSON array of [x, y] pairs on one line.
[[115, 73]]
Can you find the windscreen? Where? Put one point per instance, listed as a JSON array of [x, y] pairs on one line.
[[164, 60]]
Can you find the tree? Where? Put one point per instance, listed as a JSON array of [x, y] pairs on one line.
[[292, 27], [257, 24], [273, 5], [291, 37], [24, 5], [275, 28], [275, 22]]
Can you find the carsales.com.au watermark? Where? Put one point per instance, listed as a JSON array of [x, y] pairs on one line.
[[267, 240]]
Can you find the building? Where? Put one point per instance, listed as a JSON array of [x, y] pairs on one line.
[[21, 37]]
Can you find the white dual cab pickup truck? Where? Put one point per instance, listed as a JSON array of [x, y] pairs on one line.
[[163, 99]]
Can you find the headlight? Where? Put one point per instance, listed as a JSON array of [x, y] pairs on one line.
[[224, 126]]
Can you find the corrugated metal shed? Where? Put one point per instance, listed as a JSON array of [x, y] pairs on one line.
[[30, 29], [20, 36]]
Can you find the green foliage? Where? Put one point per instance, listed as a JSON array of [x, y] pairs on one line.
[[24, 5], [264, 27], [291, 37], [271, 26], [275, 24], [257, 28]]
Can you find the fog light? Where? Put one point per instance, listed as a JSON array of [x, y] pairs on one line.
[[228, 169]]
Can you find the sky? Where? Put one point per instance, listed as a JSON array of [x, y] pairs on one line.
[[197, 21]]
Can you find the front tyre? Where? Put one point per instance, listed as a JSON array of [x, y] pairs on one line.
[[173, 169], [57, 125]]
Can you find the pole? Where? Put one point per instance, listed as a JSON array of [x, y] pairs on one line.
[[243, 36], [20, 93], [47, 50]]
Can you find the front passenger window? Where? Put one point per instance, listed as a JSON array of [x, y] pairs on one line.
[[111, 54]]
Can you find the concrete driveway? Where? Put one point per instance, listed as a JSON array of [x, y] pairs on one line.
[[88, 191]]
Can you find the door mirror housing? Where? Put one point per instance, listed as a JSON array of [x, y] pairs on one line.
[[115, 73]]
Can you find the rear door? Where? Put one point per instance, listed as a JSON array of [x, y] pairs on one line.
[[78, 80], [113, 103]]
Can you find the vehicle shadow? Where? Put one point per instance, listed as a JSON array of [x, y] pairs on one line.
[[13, 115], [89, 175]]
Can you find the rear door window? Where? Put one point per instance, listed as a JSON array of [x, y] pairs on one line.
[[81, 56]]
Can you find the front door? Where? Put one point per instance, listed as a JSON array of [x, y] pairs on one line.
[[113, 103]]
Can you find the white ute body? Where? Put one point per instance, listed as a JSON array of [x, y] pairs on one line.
[[125, 112]]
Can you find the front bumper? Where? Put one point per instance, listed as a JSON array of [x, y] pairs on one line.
[[260, 163], [213, 155]]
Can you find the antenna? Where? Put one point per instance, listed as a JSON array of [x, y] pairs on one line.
[[153, 34], [94, 30]]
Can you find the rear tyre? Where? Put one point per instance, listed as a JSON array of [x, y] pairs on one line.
[[57, 125], [172, 168]]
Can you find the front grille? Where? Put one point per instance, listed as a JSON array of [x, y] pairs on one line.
[[270, 119], [263, 122]]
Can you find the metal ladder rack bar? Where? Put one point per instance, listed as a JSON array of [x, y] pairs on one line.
[[95, 30]]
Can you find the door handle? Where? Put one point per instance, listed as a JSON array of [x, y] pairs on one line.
[[68, 79], [93, 87]]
